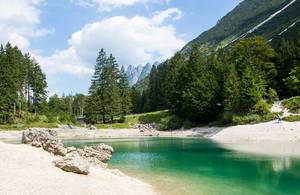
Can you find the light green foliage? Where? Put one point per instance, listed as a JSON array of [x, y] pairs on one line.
[[293, 81], [252, 119], [248, 75], [293, 104], [292, 118]]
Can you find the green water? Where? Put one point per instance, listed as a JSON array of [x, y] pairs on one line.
[[193, 166]]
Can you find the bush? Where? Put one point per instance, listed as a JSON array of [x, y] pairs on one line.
[[252, 119], [170, 122], [261, 108], [293, 105], [122, 119], [292, 118], [225, 118], [30, 118]]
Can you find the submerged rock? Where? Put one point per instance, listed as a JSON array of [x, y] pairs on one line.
[[73, 162]]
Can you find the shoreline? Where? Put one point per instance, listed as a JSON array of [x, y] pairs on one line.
[[271, 138], [259, 138], [36, 167], [261, 132]]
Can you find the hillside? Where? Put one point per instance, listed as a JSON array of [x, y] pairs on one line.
[[270, 19], [274, 20]]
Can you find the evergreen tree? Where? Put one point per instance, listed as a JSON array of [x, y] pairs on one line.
[[96, 101], [136, 99], [152, 92], [111, 89], [198, 97], [125, 96]]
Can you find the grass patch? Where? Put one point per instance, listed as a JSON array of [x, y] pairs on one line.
[[114, 126], [292, 118], [20, 126], [293, 104], [164, 119]]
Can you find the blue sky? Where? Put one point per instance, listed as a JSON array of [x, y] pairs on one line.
[[65, 35]]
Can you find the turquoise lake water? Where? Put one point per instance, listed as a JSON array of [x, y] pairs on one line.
[[194, 166]]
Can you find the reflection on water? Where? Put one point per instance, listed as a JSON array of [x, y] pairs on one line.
[[193, 166], [282, 164]]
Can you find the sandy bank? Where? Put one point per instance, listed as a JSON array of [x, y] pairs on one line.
[[28, 170], [270, 131]]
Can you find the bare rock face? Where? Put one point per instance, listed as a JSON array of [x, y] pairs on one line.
[[45, 138], [73, 162]]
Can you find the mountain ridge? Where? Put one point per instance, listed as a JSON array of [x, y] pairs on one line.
[[251, 17]]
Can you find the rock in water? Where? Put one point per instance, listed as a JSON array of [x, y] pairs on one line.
[[97, 154], [74, 163]]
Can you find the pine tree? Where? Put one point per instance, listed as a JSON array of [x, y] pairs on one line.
[[111, 89], [199, 101], [38, 84], [96, 102], [125, 95], [152, 92]]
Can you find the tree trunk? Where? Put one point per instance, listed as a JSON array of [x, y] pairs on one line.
[[112, 119], [28, 98], [103, 118]]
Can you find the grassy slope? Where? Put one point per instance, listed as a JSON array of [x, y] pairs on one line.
[[159, 117]]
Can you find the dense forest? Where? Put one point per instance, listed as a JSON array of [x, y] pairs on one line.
[[23, 92], [230, 85], [237, 83], [22, 84]]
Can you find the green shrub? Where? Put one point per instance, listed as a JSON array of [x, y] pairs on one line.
[[43, 118], [122, 119], [170, 122], [252, 119], [292, 118], [225, 118], [293, 104], [261, 108]]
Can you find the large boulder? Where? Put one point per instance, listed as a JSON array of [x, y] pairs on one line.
[[45, 138], [96, 154], [72, 159], [73, 162]]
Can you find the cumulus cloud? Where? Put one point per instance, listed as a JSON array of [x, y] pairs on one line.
[[19, 21], [135, 41], [107, 5]]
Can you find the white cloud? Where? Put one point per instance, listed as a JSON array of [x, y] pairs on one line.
[[19, 21], [107, 5], [135, 41]]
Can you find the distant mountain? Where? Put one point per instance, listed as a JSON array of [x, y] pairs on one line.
[[138, 73], [272, 19]]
